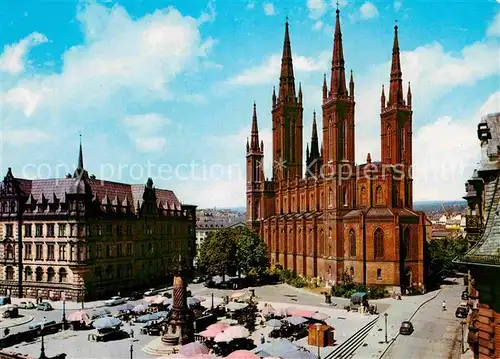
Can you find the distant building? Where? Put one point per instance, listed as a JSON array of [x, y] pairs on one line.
[[483, 232], [84, 237]]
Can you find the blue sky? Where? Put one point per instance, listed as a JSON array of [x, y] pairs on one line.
[[165, 89]]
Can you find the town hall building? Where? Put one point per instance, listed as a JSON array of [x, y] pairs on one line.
[[333, 216]]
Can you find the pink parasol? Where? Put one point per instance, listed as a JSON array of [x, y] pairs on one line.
[[242, 354], [237, 295], [269, 311], [219, 326], [78, 317], [209, 333], [299, 312], [192, 349], [202, 356], [237, 332]]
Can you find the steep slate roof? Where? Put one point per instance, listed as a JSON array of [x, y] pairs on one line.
[[487, 249]]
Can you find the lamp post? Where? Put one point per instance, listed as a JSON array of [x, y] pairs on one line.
[[212, 300], [65, 322], [131, 347], [42, 350], [318, 327], [385, 315], [463, 336]]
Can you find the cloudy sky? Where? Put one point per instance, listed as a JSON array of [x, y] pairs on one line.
[[164, 89]]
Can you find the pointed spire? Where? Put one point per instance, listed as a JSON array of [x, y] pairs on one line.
[[274, 96], [325, 88], [287, 80], [396, 89], [300, 92], [307, 151], [408, 96], [248, 146], [315, 154], [337, 83], [261, 146], [382, 98], [80, 155], [369, 158], [351, 86], [254, 140]]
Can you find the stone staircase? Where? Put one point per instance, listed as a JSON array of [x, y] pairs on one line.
[[347, 348]]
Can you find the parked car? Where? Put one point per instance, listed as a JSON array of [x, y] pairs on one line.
[[199, 279], [167, 294], [462, 311], [465, 295], [116, 300], [5, 300], [9, 311], [135, 296], [27, 305], [45, 306], [209, 283], [406, 328], [150, 292]]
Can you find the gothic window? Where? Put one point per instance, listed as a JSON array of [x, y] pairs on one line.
[[50, 274], [38, 274], [10, 251], [379, 243], [321, 201], [407, 243], [341, 140], [389, 140], [395, 196], [378, 196], [379, 274], [321, 241], [9, 271], [352, 242], [345, 139], [330, 197], [403, 142], [363, 196], [344, 196], [311, 203]]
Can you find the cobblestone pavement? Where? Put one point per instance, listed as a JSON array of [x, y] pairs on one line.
[[435, 331]]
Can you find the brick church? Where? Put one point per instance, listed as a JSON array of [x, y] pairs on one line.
[[334, 216]]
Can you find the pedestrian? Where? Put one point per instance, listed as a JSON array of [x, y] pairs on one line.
[[262, 338], [444, 305]]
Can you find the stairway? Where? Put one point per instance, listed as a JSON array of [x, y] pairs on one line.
[[347, 348]]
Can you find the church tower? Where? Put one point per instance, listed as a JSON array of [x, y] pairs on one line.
[[255, 175], [287, 115], [396, 132]]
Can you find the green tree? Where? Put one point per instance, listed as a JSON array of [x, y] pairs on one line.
[[217, 254], [251, 252], [441, 253]]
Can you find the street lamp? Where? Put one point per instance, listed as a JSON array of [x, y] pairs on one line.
[[131, 345], [212, 300], [318, 327], [65, 322], [42, 350], [385, 315]]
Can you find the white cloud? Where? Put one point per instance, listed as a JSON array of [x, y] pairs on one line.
[[494, 28], [250, 5], [143, 130], [23, 136], [368, 11], [318, 25], [121, 59], [13, 57], [269, 9], [397, 5], [210, 14], [317, 8], [268, 71]]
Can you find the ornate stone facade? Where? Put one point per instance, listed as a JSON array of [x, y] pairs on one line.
[[80, 236], [483, 232], [341, 217]]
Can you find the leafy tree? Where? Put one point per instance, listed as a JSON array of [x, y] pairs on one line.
[[440, 254], [251, 252], [217, 254]]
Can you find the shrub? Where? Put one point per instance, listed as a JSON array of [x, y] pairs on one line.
[[377, 293]]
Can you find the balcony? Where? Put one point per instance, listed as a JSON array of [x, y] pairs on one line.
[[473, 223]]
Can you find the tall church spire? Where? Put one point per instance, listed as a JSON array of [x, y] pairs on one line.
[[314, 139], [80, 156], [80, 170], [287, 80], [254, 140], [396, 86], [338, 83]]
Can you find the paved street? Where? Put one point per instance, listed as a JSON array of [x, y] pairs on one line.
[[435, 329]]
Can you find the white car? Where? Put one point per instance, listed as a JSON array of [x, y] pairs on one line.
[[150, 292], [116, 300]]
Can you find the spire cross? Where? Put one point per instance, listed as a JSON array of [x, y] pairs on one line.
[[337, 4]]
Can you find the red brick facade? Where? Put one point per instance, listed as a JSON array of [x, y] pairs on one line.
[[341, 216]]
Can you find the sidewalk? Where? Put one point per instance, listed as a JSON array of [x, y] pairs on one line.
[[398, 311], [58, 305]]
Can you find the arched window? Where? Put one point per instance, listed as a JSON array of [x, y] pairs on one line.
[[9, 272], [379, 274], [28, 274], [321, 241], [352, 242], [344, 195], [340, 146], [363, 196], [378, 196], [39, 274], [389, 140], [50, 274], [407, 243], [330, 196], [63, 275], [379, 243], [10, 251]]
